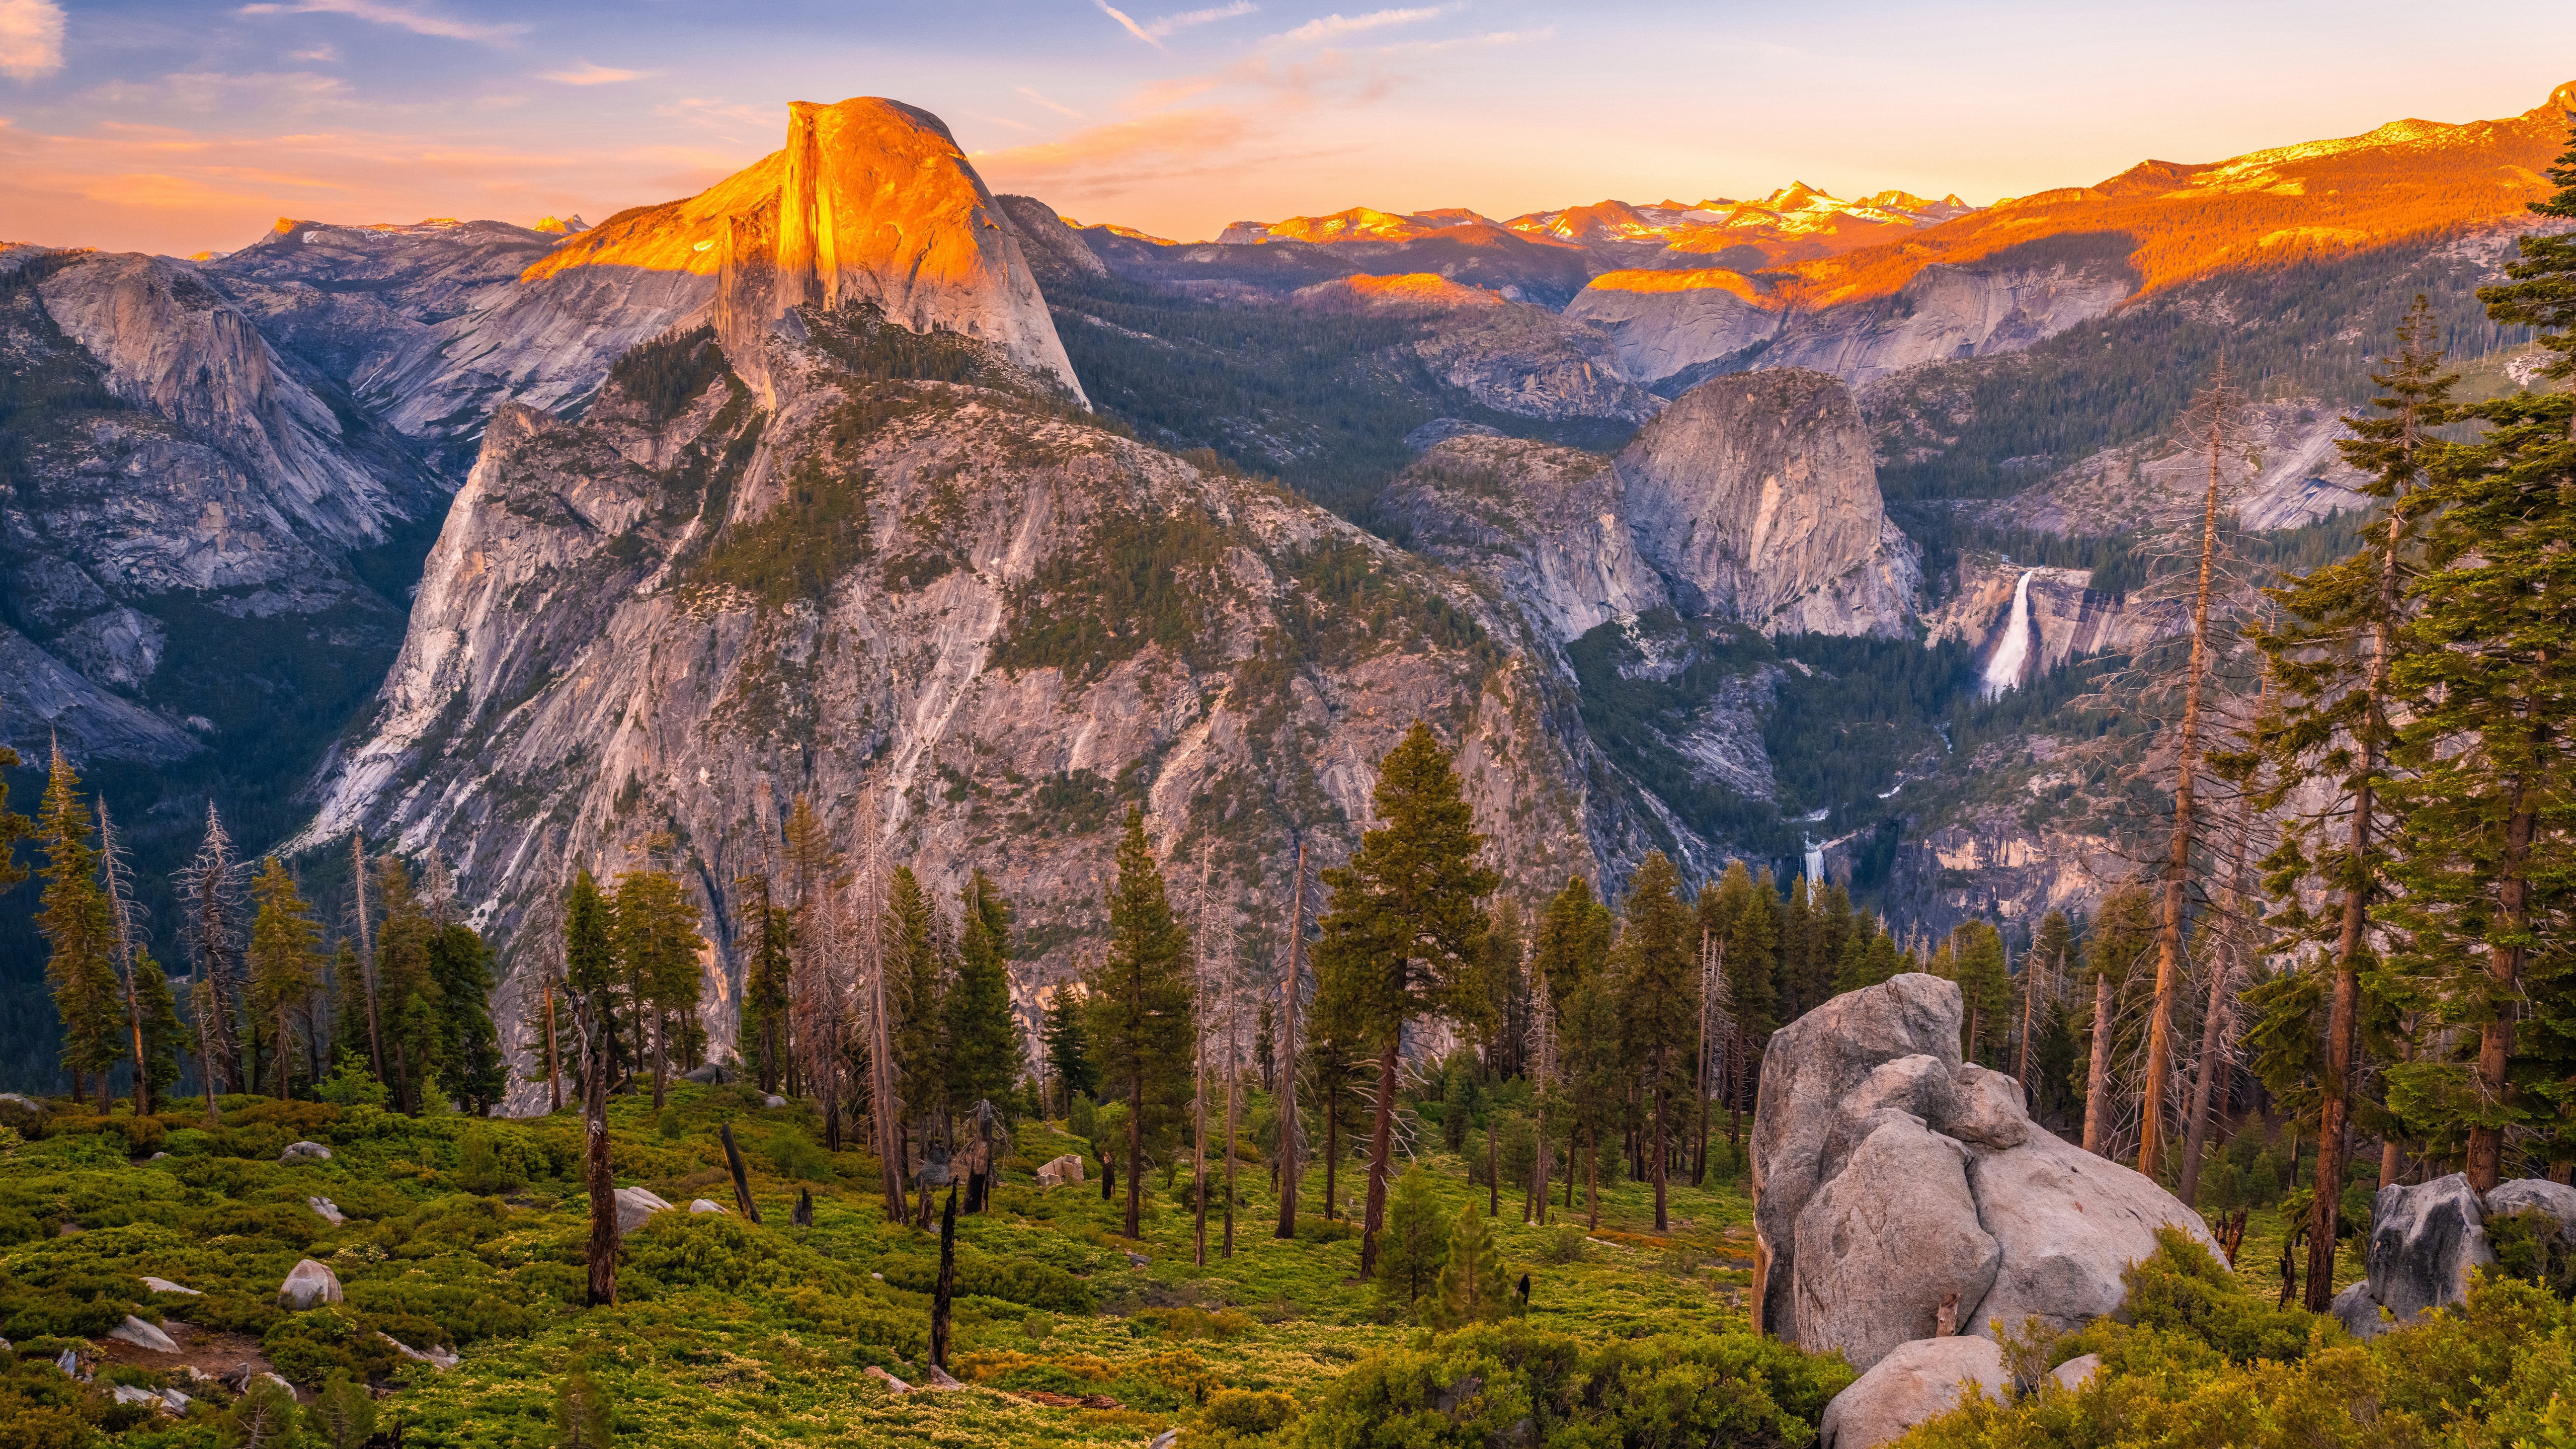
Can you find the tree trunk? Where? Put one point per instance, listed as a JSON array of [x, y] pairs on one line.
[[1233, 1078], [1284, 1051], [1592, 1176], [1135, 1154], [947, 1285], [661, 1045], [602, 1257], [2169, 946], [1493, 1172], [1381, 1146], [2213, 1025], [741, 1179], [366, 952], [1662, 1223], [2504, 972], [1332, 1153], [554, 1067], [2097, 1079]]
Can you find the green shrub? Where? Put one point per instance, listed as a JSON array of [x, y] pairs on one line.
[[1235, 1415], [479, 1168], [2183, 1289], [1568, 1244], [1413, 1249], [143, 1135], [797, 1158], [308, 1347], [1013, 1280], [1514, 1383], [2529, 1245]]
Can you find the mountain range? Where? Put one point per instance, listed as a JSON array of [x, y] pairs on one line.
[[1690, 526]]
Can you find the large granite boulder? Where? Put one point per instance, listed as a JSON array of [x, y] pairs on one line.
[[634, 1205], [2425, 1241], [1812, 1064], [1913, 1382], [2529, 1194], [308, 1285], [1891, 1238], [1897, 1187]]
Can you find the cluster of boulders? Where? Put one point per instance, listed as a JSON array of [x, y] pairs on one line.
[[1903, 1197], [2427, 1238]]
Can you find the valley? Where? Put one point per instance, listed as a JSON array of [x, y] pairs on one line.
[[1788, 718]]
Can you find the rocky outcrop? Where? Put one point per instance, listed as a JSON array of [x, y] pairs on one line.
[[1978, 309], [1896, 1187], [1756, 498], [304, 1152], [876, 206], [2284, 471], [1662, 322], [1915, 1382], [1548, 524], [1059, 1171]]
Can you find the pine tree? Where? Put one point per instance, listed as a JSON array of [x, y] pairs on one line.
[[916, 988], [1658, 987], [80, 926], [984, 1053], [767, 931], [212, 885], [1142, 1029], [1068, 1046], [657, 947], [164, 1036], [1408, 1270], [1976, 962], [1404, 931], [590, 972], [1473, 1286], [2328, 731], [285, 962], [2490, 747], [406, 995], [469, 1045]]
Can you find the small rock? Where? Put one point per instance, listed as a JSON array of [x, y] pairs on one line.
[[889, 1380], [23, 1103], [880, 1277], [634, 1205], [2075, 1373], [1137, 1260], [156, 1157], [1166, 1439], [773, 1100], [713, 1074], [177, 1401], [68, 1362], [702, 1205], [127, 1394], [310, 1285], [328, 1210], [1914, 1382], [939, 1379], [164, 1285], [304, 1152], [441, 1359], [143, 1334], [1062, 1170]]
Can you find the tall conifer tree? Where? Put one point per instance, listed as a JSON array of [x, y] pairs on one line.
[[285, 963], [80, 927], [1405, 930], [1142, 1030]]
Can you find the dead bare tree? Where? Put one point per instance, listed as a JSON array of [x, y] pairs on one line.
[[1284, 1050]]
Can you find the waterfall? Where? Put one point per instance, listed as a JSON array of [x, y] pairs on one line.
[[2012, 656], [1815, 866]]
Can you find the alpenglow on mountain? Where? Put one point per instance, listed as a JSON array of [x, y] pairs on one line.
[[1687, 524]]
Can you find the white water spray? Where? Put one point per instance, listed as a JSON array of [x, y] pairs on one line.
[[2012, 656]]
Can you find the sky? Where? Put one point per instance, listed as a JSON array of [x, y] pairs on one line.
[[185, 125]]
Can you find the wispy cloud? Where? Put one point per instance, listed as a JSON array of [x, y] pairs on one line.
[[31, 38], [1187, 18], [400, 17], [1060, 109], [1335, 26], [317, 53], [583, 73], [1122, 17], [1118, 147]]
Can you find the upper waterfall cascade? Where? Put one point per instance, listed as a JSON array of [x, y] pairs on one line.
[[2012, 656]]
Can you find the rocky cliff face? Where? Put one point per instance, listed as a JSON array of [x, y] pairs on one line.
[[176, 480], [1755, 497], [876, 205], [1510, 356], [927, 607]]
